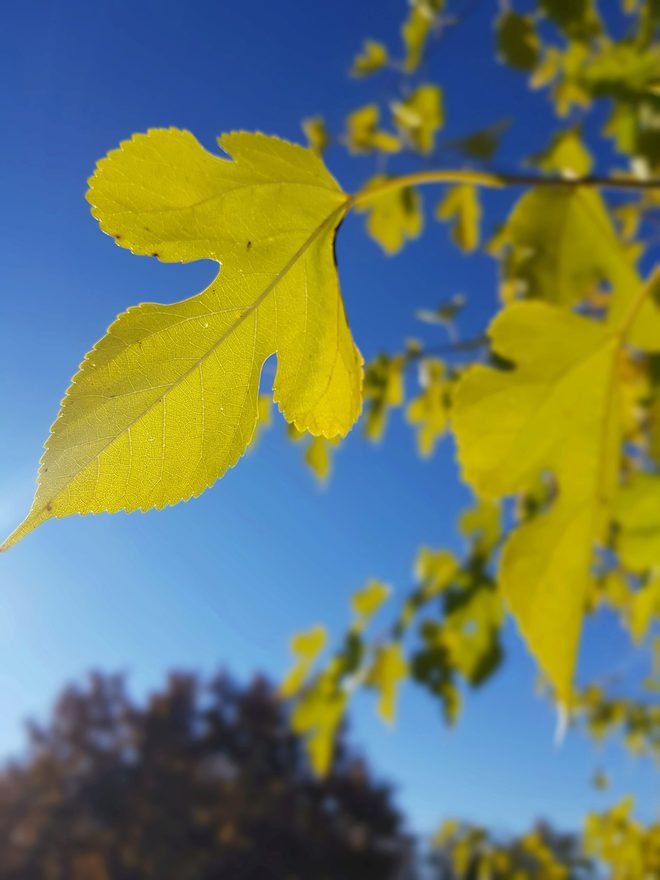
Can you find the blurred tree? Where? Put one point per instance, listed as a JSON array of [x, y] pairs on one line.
[[202, 782]]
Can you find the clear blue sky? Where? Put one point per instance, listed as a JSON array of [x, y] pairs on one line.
[[225, 580]]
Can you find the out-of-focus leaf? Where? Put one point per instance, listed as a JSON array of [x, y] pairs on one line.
[[419, 117], [364, 135], [389, 669], [462, 205], [383, 390], [372, 59], [393, 217], [367, 601], [559, 245], [429, 412], [638, 516], [316, 133], [556, 410], [318, 456], [517, 41], [565, 155], [483, 525], [305, 647], [416, 29]]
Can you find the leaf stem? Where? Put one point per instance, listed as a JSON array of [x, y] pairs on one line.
[[497, 181]]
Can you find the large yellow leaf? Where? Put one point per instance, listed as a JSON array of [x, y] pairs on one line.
[[556, 410], [167, 400]]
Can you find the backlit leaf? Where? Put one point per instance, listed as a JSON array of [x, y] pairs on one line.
[[462, 205], [559, 245], [319, 457], [566, 155], [556, 411], [364, 135], [366, 602], [419, 117], [393, 217], [429, 412], [306, 647], [389, 669], [372, 59], [316, 134], [167, 400], [416, 30]]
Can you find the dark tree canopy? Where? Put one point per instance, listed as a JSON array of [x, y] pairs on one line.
[[204, 781]]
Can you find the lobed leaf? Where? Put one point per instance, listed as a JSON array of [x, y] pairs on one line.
[[556, 410], [168, 399]]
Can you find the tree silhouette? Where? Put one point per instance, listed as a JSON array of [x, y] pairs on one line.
[[203, 781]]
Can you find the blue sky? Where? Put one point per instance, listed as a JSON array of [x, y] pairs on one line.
[[225, 580]]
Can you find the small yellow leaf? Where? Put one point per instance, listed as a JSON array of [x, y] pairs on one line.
[[306, 647], [388, 671], [364, 135], [566, 155], [462, 205], [483, 524], [316, 134], [372, 59], [383, 390], [419, 117], [317, 716], [366, 602], [318, 457], [393, 217], [429, 412], [417, 28]]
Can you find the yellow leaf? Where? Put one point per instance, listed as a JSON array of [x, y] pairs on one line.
[[317, 716], [383, 390], [363, 134], [416, 29], [388, 670], [436, 569], [429, 412], [366, 602], [419, 117], [556, 410], [306, 647], [316, 134], [566, 155], [167, 400], [461, 204], [393, 217], [318, 457], [372, 59], [560, 244]]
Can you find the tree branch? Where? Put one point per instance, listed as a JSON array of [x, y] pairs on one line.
[[499, 181]]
